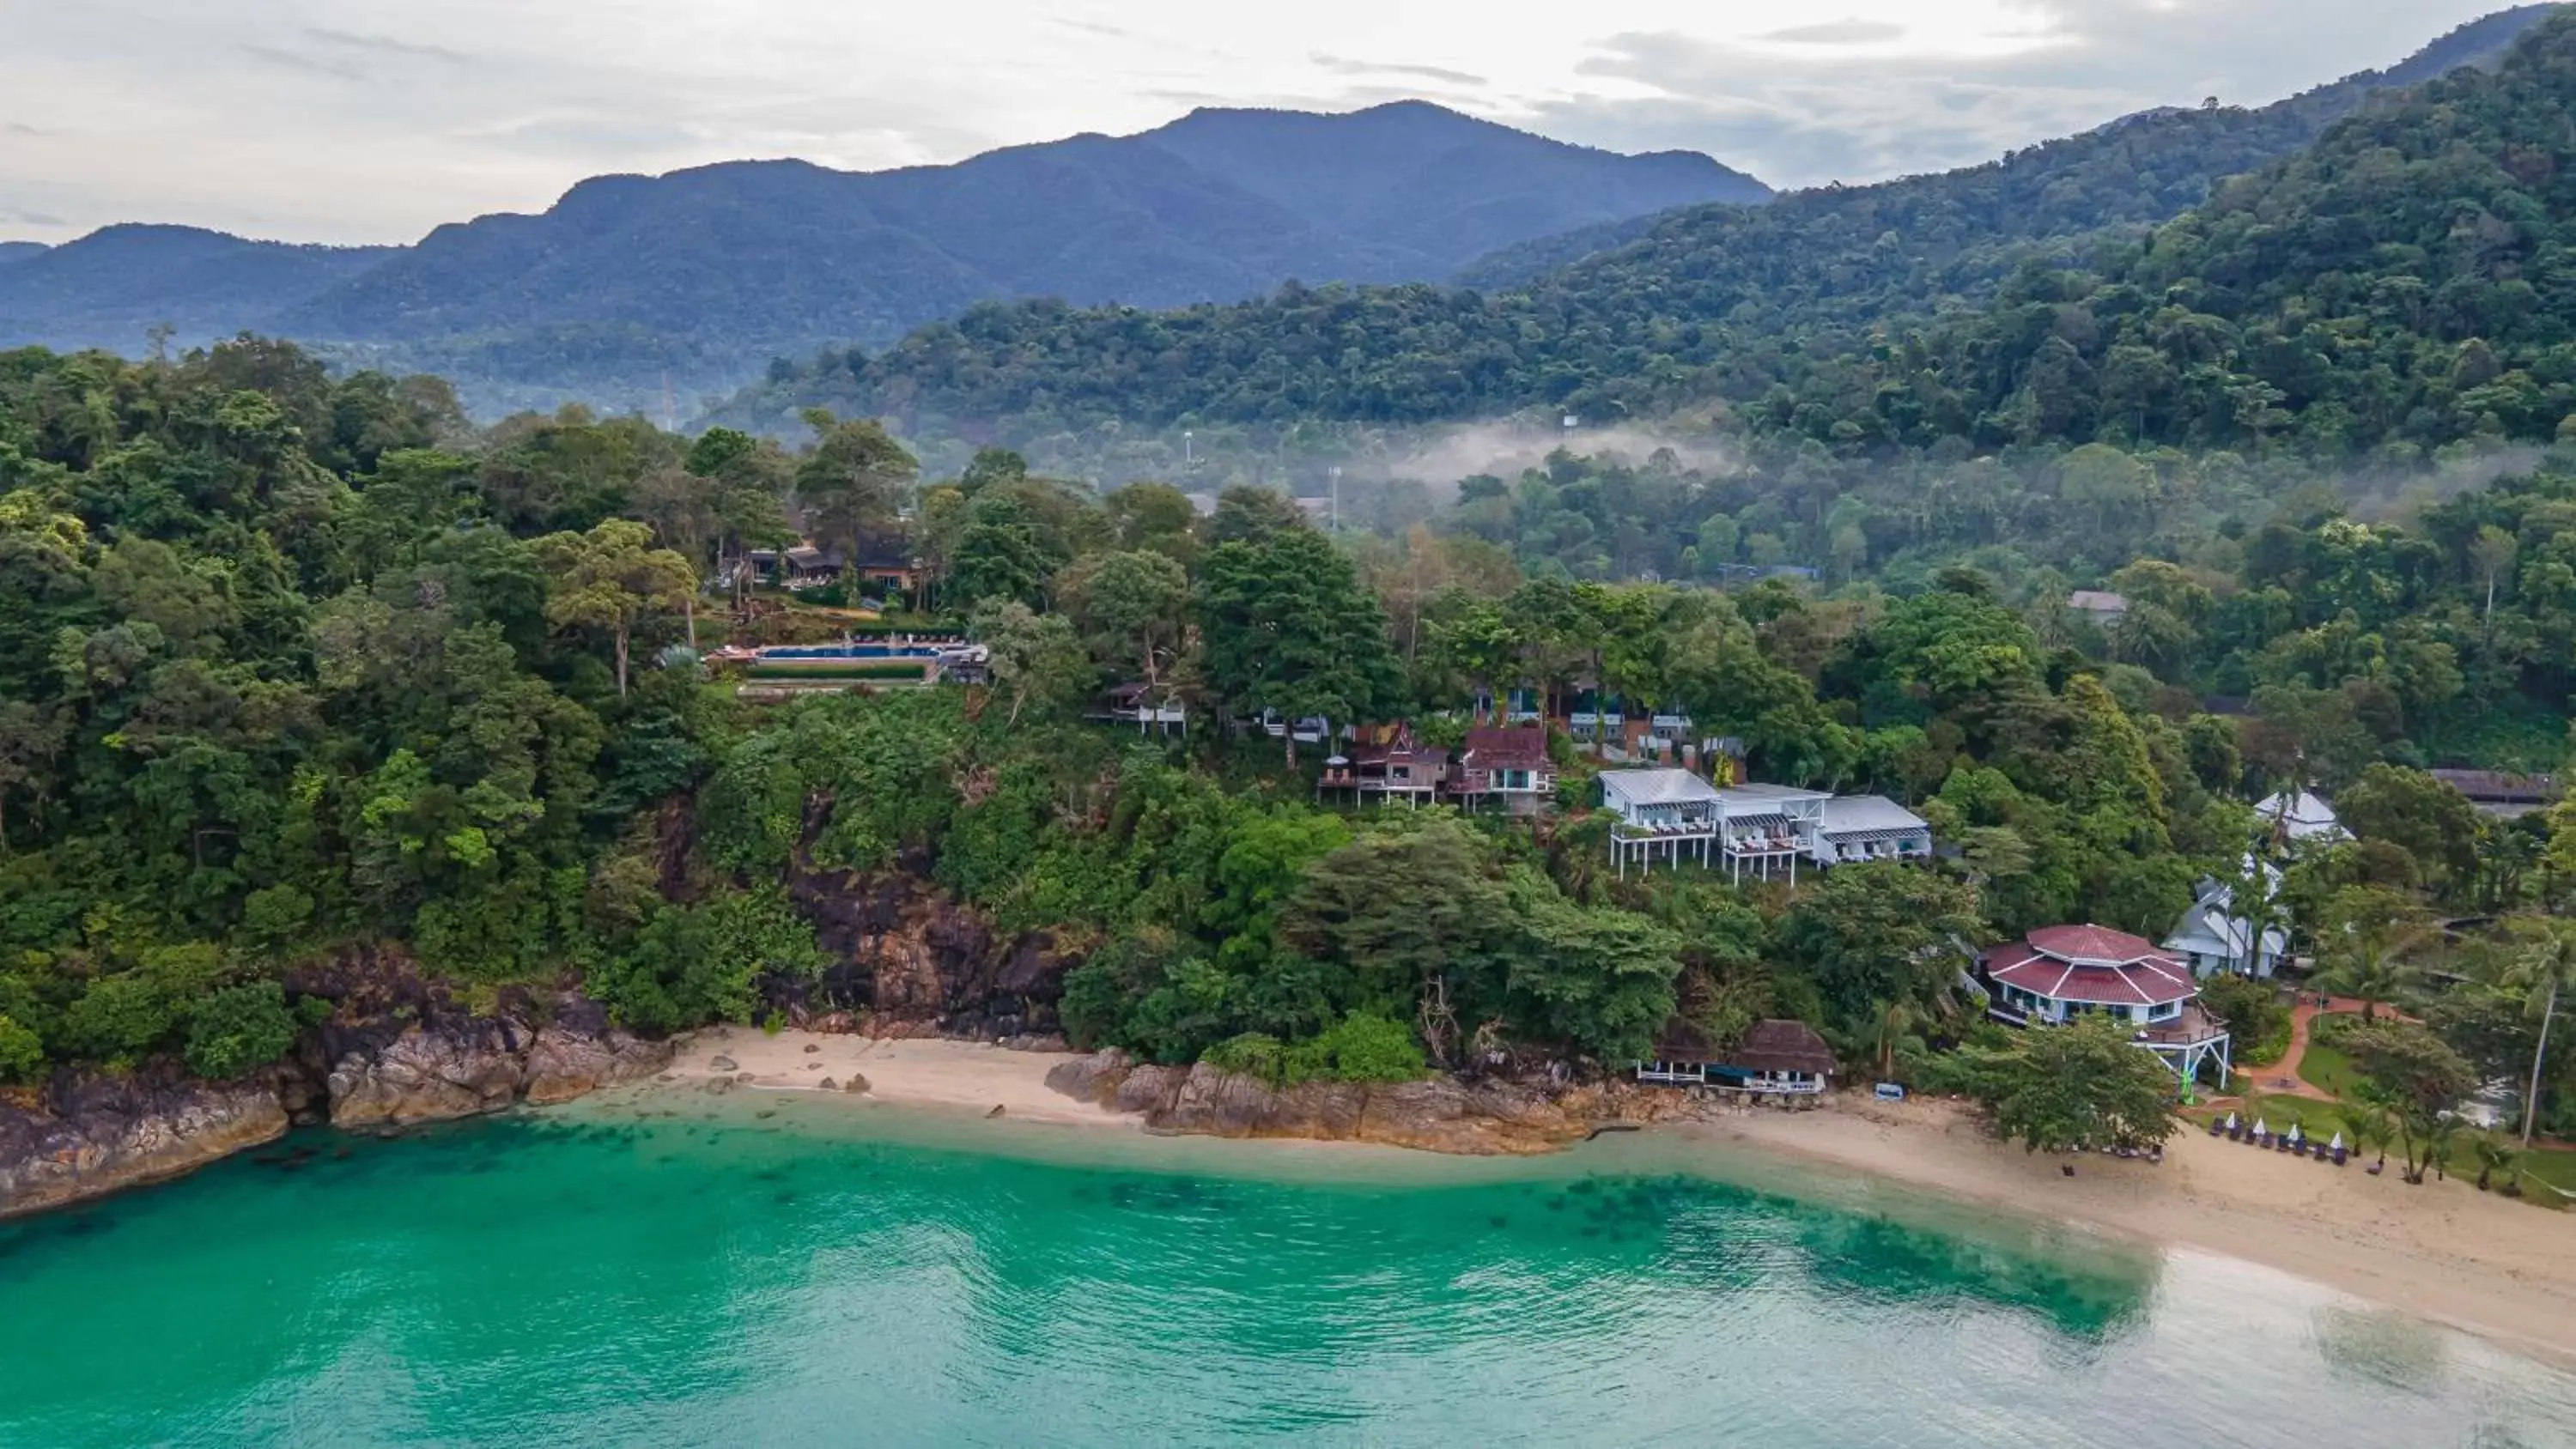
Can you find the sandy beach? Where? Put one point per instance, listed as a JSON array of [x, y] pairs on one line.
[[943, 1075], [2443, 1251]]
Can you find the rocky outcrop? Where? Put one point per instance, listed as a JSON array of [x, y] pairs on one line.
[[88, 1136], [1438, 1114], [464, 1067], [920, 963], [396, 1050]]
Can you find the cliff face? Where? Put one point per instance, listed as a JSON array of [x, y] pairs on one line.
[[396, 1050], [1439, 1114], [920, 963]]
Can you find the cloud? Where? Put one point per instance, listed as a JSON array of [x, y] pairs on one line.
[[1090, 27], [21, 128], [309, 64], [385, 45], [1853, 31], [1343, 66]]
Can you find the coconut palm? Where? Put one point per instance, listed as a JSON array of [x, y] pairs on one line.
[[2373, 967], [2545, 966], [2496, 1153], [2371, 1127]]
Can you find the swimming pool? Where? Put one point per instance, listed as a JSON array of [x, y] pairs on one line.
[[851, 651]]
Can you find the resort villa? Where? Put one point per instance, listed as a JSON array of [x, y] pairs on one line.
[[1776, 1058], [1150, 708], [2062, 972], [1396, 769], [2299, 815], [1675, 816], [1505, 766], [2212, 938]]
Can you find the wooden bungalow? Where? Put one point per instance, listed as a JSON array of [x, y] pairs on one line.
[[1776, 1058], [1388, 765], [1504, 766]]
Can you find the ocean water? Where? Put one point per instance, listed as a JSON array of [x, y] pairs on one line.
[[788, 1271]]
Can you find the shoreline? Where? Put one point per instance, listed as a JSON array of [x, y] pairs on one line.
[[2442, 1252]]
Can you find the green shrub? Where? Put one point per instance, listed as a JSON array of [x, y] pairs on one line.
[[22, 1053], [1363, 1048], [2253, 1013], [239, 1029]]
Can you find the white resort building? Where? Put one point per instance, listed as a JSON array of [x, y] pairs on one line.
[[2299, 815], [2211, 938], [2062, 972], [1675, 816]]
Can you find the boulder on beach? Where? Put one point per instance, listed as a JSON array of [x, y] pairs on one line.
[[725, 1064], [827, 1085], [856, 1083]]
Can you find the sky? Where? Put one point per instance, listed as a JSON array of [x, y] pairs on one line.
[[351, 121]]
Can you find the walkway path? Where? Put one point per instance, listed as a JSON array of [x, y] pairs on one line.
[[2281, 1078]]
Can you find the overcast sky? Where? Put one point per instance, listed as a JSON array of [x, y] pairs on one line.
[[373, 120]]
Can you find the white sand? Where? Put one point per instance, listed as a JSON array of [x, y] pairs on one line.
[[2441, 1251], [919, 1073]]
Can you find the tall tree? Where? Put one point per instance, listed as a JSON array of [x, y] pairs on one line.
[[1286, 626], [610, 579], [852, 485]]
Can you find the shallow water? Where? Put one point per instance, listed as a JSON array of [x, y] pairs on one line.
[[755, 1272]]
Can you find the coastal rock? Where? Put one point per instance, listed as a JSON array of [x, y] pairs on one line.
[[723, 1064], [424, 1076], [579, 1052], [856, 1083], [95, 1135], [1091, 1078], [1439, 1114]]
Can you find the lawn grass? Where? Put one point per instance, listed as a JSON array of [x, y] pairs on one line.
[[2328, 1069]]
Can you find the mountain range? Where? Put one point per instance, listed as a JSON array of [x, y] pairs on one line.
[[1707, 301], [708, 273]]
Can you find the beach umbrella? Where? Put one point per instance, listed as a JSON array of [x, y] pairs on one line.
[[2231, 1121], [2294, 1133], [2258, 1128], [2337, 1144]]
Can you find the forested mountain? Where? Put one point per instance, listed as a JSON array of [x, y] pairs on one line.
[[708, 273], [1705, 304], [295, 671], [19, 251], [112, 287]]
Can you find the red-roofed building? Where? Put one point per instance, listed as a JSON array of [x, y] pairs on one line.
[[1506, 765], [2061, 972]]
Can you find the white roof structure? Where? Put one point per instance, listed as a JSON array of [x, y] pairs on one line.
[[2210, 928], [2302, 816], [1656, 787], [1848, 815]]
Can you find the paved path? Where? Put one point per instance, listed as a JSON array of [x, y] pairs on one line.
[[2282, 1079]]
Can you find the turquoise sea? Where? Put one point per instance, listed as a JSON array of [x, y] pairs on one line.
[[720, 1271]]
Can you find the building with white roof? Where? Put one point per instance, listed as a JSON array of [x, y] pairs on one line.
[[2212, 938], [2299, 816], [1675, 815]]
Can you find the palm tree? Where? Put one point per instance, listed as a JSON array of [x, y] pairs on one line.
[[2439, 1134], [2372, 968], [2546, 965], [1897, 1020], [2370, 1127], [2495, 1154]]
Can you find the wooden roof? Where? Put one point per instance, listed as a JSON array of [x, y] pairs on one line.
[[1783, 1046]]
